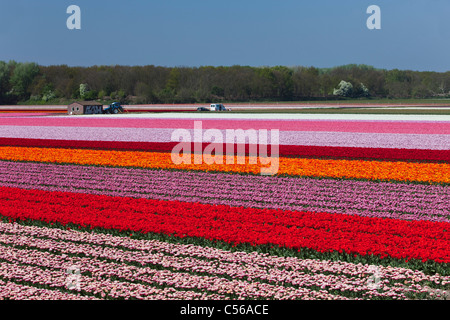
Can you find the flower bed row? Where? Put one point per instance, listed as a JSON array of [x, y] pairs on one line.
[[283, 150], [298, 138], [122, 180], [363, 198], [14, 291], [46, 276], [323, 232], [371, 170], [391, 127], [190, 268], [135, 281]]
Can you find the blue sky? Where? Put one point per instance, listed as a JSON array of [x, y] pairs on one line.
[[414, 35]]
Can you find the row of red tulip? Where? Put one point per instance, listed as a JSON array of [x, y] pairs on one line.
[[323, 232]]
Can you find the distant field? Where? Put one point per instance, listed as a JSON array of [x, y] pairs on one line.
[[416, 106], [353, 206], [351, 111]]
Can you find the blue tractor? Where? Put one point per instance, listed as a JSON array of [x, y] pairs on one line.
[[114, 107]]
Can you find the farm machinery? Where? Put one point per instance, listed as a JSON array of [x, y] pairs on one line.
[[214, 107], [114, 107]]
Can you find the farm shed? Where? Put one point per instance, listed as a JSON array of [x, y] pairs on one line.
[[85, 107]]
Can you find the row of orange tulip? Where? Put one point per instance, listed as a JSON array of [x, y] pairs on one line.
[[359, 169]]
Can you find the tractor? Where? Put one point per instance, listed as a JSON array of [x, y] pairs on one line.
[[114, 107]]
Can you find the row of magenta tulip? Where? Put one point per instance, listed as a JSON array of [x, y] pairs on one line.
[[363, 198]]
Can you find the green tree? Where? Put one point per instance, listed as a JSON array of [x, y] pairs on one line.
[[48, 93], [399, 83], [283, 83], [306, 83], [144, 93], [4, 81], [23, 75], [217, 91], [4, 75], [91, 95], [101, 94], [361, 91], [174, 80]]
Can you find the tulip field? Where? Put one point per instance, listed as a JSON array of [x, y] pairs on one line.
[[94, 207]]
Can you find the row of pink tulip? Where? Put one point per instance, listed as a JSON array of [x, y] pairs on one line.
[[13, 291], [408, 127], [222, 273], [294, 138], [136, 280]]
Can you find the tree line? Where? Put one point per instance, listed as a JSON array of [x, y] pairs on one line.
[[33, 83]]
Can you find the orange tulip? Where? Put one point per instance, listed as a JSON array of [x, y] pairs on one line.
[[359, 169]]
